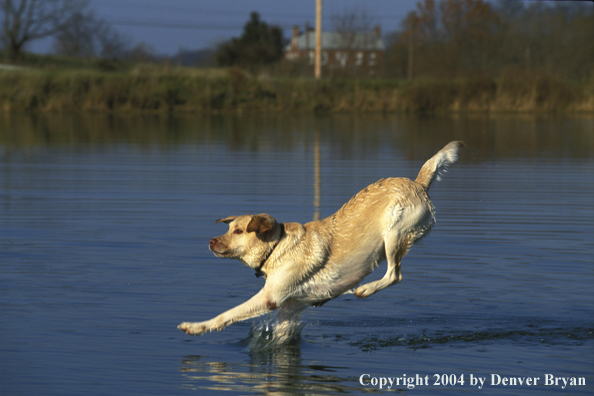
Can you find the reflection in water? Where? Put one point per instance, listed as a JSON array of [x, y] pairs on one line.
[[271, 369], [352, 136], [317, 174], [277, 369]]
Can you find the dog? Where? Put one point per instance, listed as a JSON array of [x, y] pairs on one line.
[[313, 263]]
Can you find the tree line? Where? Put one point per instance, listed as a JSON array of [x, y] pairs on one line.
[[76, 30], [461, 38], [439, 39]]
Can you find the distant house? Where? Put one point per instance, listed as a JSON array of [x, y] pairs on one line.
[[359, 53]]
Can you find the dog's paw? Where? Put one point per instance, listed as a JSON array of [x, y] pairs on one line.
[[192, 328], [363, 291]]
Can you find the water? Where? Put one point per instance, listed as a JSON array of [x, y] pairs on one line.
[[105, 220]]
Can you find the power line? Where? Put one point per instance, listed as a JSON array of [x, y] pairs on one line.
[[186, 10], [203, 11], [188, 26], [184, 26]]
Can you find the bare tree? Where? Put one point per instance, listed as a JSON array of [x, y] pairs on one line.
[[87, 36], [28, 20], [350, 24], [112, 44], [78, 37]]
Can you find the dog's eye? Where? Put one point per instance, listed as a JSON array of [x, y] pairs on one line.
[[238, 231]]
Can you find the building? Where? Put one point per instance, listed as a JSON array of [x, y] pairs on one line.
[[357, 53]]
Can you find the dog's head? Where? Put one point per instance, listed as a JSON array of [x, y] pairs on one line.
[[250, 238]]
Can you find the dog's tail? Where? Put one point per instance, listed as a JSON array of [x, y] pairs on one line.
[[438, 164]]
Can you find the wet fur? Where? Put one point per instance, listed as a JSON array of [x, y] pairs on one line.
[[313, 263]]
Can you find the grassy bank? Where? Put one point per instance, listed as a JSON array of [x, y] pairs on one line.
[[163, 89]]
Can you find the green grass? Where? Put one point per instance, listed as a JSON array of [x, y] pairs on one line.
[[64, 84]]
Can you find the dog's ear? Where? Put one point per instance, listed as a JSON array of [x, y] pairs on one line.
[[226, 220], [262, 224]]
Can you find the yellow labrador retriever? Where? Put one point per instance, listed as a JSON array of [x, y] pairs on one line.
[[313, 263]]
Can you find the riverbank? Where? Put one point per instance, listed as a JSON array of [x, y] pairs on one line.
[[171, 89]]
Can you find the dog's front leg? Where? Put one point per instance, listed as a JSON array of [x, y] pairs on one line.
[[255, 306]]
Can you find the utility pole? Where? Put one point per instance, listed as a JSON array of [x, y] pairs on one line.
[[411, 52], [318, 54], [411, 46]]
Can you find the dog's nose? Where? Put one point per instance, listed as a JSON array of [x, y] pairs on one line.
[[212, 243]]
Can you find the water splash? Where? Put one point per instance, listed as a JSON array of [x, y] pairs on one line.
[[277, 329]]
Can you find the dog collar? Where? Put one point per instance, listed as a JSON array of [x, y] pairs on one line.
[[259, 267]]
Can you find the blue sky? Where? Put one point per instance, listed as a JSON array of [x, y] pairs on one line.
[[194, 24]]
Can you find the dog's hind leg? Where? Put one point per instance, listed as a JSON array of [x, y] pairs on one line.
[[395, 251]]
